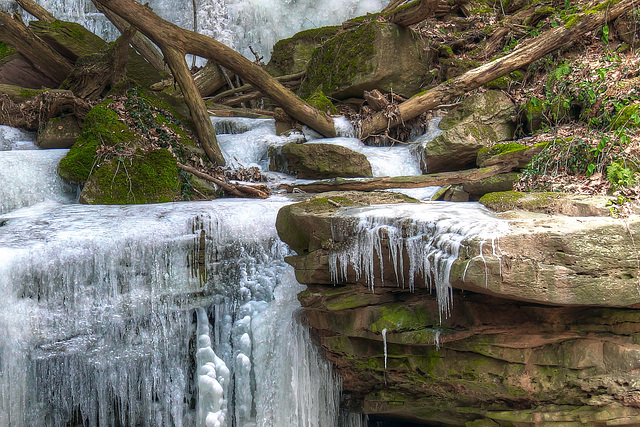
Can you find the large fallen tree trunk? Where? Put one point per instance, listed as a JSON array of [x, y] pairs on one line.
[[385, 183], [48, 61], [36, 10], [410, 12], [529, 52], [171, 38]]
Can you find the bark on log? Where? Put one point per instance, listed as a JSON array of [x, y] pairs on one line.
[[209, 79], [33, 113], [140, 43], [202, 122], [375, 99], [238, 190], [529, 52], [385, 183], [48, 61], [528, 16], [167, 35], [36, 10], [410, 13]]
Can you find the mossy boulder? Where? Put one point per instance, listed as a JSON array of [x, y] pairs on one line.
[[59, 132], [547, 202], [101, 127], [319, 161], [292, 55], [374, 55], [480, 121], [119, 165], [150, 177]]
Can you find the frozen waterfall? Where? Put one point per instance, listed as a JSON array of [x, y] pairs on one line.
[[106, 309], [237, 23]]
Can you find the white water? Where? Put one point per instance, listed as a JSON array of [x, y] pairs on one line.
[[237, 23], [427, 235]]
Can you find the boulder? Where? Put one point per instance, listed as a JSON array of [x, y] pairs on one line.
[[480, 121], [151, 177], [119, 165], [374, 55], [292, 55], [541, 325], [510, 153], [59, 132], [319, 161]]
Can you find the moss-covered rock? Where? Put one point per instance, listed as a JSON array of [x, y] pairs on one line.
[[319, 161], [101, 127], [320, 101], [558, 203], [150, 177], [374, 55], [496, 183], [292, 55]]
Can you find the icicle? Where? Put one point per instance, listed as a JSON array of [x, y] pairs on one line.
[[430, 234], [384, 343]]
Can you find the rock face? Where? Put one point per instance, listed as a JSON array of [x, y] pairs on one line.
[[480, 121], [292, 55], [371, 56], [540, 325], [319, 161]]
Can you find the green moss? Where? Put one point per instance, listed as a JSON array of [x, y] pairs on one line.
[[320, 101], [70, 39], [101, 126], [29, 93], [355, 48], [507, 200], [6, 52], [148, 178], [398, 317], [499, 150]]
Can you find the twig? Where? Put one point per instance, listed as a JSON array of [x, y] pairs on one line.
[[236, 190]]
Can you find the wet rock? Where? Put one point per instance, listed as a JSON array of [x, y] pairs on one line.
[[319, 161]]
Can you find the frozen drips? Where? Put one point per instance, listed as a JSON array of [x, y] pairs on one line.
[[427, 237]]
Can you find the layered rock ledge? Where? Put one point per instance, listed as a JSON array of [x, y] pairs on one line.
[[537, 323]]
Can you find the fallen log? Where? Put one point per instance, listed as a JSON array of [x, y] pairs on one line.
[[171, 38], [385, 183], [238, 190], [34, 112], [244, 88], [48, 61], [530, 51], [36, 10], [410, 13], [139, 42]]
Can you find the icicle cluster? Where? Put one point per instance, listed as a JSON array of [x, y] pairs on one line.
[[426, 236]]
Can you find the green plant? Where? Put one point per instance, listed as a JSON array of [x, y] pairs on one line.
[[619, 175]]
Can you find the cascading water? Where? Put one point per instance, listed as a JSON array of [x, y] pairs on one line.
[[237, 23]]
